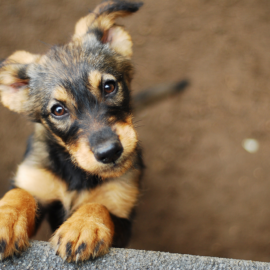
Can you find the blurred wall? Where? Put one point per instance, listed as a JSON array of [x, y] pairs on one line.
[[203, 193]]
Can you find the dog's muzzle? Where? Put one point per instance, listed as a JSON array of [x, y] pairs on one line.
[[106, 146]]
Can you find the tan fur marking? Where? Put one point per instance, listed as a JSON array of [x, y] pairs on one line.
[[14, 100], [90, 225], [108, 77], [17, 221], [95, 80], [60, 94], [120, 41], [43, 185], [23, 57], [118, 195], [83, 155], [127, 135], [83, 24]]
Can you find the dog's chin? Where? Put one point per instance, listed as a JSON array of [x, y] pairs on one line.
[[109, 170], [113, 170]]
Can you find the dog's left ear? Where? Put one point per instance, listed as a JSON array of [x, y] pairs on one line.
[[14, 82], [101, 23]]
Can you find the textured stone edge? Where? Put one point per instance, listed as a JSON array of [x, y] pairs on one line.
[[41, 256]]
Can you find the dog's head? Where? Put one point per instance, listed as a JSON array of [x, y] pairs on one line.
[[80, 91]]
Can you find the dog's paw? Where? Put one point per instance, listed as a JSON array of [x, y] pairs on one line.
[[13, 231], [88, 233]]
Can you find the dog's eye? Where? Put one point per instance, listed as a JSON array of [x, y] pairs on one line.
[[58, 110], [109, 87]]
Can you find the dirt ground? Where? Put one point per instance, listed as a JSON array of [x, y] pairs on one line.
[[203, 193]]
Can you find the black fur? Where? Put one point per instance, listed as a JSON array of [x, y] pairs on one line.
[[81, 248], [122, 231], [98, 32], [102, 136], [22, 73], [68, 249], [98, 245], [3, 244], [122, 5], [56, 215], [40, 214]]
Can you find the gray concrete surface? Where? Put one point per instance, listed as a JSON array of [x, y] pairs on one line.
[[41, 256]]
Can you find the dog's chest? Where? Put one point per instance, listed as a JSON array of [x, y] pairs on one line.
[[45, 186]]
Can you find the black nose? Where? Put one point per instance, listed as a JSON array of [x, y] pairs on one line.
[[108, 152]]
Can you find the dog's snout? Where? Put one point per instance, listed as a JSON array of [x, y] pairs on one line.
[[108, 152], [106, 146]]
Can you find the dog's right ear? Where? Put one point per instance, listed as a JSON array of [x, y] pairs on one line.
[[14, 81], [101, 23]]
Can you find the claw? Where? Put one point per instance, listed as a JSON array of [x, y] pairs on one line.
[[77, 258], [56, 248], [17, 249]]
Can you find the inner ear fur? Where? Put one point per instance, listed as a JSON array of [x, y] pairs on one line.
[[101, 23], [14, 82]]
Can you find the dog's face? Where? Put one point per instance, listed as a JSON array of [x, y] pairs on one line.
[[80, 93]]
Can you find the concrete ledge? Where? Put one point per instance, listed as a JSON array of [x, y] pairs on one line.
[[41, 256]]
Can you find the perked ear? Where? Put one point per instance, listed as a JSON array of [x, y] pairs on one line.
[[14, 82], [101, 22]]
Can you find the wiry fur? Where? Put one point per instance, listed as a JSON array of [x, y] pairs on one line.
[[81, 168]]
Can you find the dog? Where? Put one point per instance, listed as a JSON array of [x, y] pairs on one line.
[[83, 164]]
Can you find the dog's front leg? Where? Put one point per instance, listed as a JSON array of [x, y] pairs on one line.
[[88, 233], [17, 221]]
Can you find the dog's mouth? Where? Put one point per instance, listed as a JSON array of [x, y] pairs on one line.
[[107, 160], [116, 168]]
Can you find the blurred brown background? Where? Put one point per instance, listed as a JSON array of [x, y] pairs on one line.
[[203, 193]]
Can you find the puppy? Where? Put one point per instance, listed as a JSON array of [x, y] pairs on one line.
[[83, 165]]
